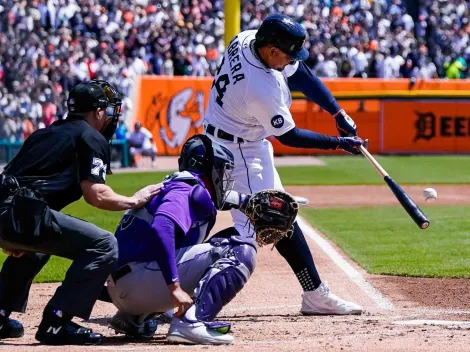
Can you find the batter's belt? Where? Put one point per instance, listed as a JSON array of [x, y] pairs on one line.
[[219, 133]]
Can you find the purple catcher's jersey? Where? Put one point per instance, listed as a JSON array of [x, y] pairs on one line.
[[184, 200]]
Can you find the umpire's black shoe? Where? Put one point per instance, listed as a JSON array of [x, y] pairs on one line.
[[11, 328], [57, 331]]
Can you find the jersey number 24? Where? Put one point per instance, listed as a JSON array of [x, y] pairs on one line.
[[220, 83]]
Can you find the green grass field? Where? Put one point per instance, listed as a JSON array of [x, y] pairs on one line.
[[349, 170], [383, 240]]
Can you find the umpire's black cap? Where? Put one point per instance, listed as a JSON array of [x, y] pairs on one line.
[[86, 96], [285, 34]]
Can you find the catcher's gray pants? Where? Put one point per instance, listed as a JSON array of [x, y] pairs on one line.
[[144, 290], [93, 251]]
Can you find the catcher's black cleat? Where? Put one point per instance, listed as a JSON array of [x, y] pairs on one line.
[[55, 330], [11, 328], [133, 325]]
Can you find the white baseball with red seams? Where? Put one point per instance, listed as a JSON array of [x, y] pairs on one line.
[[430, 194]]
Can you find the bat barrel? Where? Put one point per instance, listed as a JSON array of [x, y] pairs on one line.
[[410, 206]]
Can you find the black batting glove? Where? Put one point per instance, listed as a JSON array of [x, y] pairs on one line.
[[351, 144]]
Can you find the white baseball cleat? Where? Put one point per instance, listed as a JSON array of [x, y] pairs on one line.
[[199, 332], [323, 302]]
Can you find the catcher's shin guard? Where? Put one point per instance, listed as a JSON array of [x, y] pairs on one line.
[[223, 279]]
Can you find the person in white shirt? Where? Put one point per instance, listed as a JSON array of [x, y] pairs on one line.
[[141, 142]]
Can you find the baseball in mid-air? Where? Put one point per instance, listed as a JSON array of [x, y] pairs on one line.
[[430, 194], [301, 200]]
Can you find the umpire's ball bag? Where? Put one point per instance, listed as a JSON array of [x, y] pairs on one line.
[[24, 220]]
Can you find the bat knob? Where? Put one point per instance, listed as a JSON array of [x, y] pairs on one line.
[[425, 225]]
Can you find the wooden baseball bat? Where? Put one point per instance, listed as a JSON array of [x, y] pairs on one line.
[[405, 200]]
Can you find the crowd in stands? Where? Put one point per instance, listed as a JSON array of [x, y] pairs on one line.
[[47, 46]]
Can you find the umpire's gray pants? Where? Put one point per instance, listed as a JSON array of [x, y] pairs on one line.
[[144, 290], [93, 251]]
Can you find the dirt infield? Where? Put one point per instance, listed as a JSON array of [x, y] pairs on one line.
[[349, 196], [265, 315]]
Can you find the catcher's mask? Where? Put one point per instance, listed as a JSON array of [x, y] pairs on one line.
[[201, 155], [97, 94]]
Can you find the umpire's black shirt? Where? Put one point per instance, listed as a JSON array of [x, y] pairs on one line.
[[54, 160]]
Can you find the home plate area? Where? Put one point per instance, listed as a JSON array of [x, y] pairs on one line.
[[401, 314]]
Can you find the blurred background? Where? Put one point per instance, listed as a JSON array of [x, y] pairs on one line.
[[399, 67]]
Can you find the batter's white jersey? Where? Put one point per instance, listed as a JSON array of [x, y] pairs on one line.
[[250, 101], [247, 99]]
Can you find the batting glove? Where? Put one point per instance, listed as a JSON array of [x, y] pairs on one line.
[[351, 144], [345, 124]]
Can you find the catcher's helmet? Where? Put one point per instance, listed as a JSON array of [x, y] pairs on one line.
[[285, 34], [203, 156]]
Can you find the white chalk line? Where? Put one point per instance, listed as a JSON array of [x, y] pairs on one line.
[[432, 322], [204, 347], [410, 311], [355, 276], [265, 308], [433, 311]]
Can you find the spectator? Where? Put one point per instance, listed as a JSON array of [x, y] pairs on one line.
[[200, 64], [428, 69], [9, 129], [49, 112], [121, 131], [18, 134], [28, 127], [406, 70], [168, 67], [141, 142], [455, 69], [53, 44]]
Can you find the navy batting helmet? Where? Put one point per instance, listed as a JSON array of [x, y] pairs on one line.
[[285, 34], [204, 156]]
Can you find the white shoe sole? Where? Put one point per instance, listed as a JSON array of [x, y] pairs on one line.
[[352, 312], [179, 339], [176, 337]]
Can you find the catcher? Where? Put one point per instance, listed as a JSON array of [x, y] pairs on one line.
[[163, 262]]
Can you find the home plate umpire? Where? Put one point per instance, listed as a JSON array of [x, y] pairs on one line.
[[55, 167]]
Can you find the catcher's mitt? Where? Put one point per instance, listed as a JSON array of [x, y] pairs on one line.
[[272, 213]]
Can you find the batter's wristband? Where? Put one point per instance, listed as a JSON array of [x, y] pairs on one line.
[[341, 111]]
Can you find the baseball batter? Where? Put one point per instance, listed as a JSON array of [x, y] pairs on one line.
[[249, 101], [163, 261]]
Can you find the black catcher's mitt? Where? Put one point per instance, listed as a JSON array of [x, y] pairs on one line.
[[272, 213]]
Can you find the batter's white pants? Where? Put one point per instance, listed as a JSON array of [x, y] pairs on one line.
[[254, 171]]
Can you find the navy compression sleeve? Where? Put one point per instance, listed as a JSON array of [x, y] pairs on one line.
[[314, 89], [301, 138], [165, 253]]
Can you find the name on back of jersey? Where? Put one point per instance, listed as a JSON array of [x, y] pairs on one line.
[[234, 58], [221, 81]]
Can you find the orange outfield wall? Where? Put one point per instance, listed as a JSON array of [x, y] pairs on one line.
[[419, 120], [426, 127]]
